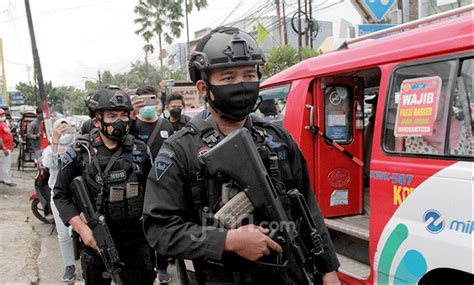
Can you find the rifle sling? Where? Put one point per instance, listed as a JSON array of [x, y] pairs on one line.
[[113, 159]]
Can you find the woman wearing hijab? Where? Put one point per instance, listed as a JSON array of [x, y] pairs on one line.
[[63, 137]]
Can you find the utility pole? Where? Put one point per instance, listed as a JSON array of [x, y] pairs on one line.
[[306, 23], [161, 58], [280, 38], [98, 75], [285, 32], [188, 48], [187, 28], [39, 74], [37, 64], [299, 30], [147, 49], [310, 6]]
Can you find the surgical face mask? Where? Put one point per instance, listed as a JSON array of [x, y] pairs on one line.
[[115, 131], [3, 118], [148, 112], [235, 101], [176, 113]]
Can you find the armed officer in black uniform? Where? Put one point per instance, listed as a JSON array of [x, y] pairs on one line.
[[114, 167], [181, 196]]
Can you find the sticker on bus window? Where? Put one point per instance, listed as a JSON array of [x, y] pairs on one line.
[[337, 119], [418, 106], [338, 133], [339, 197]]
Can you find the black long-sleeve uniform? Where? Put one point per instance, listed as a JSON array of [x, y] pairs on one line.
[[177, 192], [123, 216]]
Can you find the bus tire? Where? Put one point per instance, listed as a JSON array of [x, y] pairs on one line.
[[441, 276]]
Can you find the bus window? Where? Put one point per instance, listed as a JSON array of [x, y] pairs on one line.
[[462, 123], [338, 114], [417, 113], [272, 106]]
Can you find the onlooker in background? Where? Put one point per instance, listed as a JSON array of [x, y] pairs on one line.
[[63, 137], [6, 147], [146, 125], [174, 111], [270, 112], [149, 127], [37, 133], [162, 93]]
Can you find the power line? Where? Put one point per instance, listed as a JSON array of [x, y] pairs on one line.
[[252, 11], [11, 8], [231, 12], [16, 63], [59, 10], [131, 61]]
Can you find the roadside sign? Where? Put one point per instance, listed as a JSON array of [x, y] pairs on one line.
[[365, 29], [17, 98], [378, 8]]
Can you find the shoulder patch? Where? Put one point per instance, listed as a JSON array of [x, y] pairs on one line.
[[271, 143], [68, 157], [164, 134], [161, 166]]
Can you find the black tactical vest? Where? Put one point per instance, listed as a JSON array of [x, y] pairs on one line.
[[207, 194], [112, 180]]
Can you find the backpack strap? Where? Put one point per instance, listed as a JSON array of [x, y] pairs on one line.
[[153, 135]]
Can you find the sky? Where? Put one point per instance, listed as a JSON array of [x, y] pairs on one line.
[[76, 38]]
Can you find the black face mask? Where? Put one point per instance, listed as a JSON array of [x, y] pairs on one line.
[[234, 101], [115, 131], [176, 113]]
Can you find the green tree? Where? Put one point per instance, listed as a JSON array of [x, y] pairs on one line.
[[31, 92], [279, 59], [308, 52], [138, 75], [163, 19], [66, 100], [107, 78], [179, 74]]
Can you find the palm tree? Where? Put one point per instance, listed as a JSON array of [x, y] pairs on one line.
[[162, 18], [148, 48]]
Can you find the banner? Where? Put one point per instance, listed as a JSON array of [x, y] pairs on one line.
[[262, 33], [417, 106]]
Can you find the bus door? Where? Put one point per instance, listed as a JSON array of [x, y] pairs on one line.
[[339, 116]]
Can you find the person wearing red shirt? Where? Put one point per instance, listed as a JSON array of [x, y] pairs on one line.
[[6, 147]]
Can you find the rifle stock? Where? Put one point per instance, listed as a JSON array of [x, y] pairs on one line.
[[237, 157], [96, 221]]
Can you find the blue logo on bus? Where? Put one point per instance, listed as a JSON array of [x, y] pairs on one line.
[[433, 221]]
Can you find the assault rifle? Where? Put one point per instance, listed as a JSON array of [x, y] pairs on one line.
[[96, 221], [237, 157]]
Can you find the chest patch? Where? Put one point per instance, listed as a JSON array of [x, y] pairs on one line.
[[112, 176]]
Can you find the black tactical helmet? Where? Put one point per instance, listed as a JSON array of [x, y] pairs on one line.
[[223, 47], [109, 98]]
